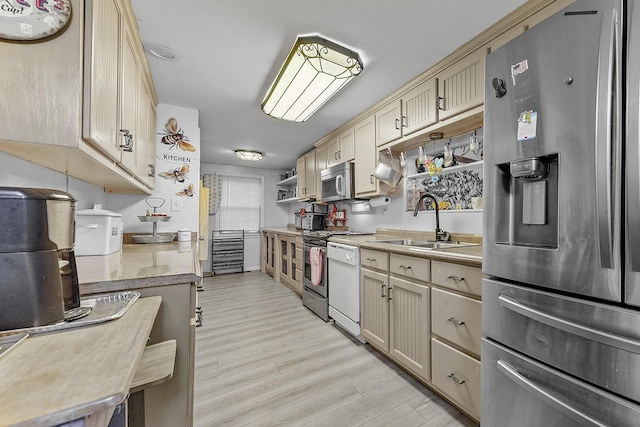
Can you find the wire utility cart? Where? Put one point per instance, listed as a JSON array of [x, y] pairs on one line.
[[227, 251]]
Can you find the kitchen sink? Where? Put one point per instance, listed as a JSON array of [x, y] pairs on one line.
[[424, 244]]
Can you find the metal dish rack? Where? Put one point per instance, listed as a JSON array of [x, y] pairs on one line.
[[227, 251]]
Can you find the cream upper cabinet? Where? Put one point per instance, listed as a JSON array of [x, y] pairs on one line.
[[307, 176], [146, 133], [415, 110], [79, 108], [321, 164], [128, 135], [366, 156], [102, 71], [301, 168], [461, 86], [341, 148]]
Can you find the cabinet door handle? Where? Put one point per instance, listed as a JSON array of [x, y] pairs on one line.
[[404, 121], [371, 179], [456, 321], [397, 124], [335, 155], [127, 138], [456, 379], [382, 289], [456, 278], [152, 169], [339, 154], [441, 103], [389, 297]]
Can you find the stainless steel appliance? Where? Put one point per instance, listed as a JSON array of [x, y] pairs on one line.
[[313, 221], [344, 287], [315, 297], [39, 278], [337, 182], [561, 245]]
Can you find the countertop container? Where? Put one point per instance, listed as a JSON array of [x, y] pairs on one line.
[[98, 232]]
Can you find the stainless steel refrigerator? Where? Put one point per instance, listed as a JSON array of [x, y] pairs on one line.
[[561, 248]]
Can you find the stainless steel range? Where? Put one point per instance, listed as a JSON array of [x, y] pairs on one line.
[[316, 296]]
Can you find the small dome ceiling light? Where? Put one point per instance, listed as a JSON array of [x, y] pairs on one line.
[[249, 155]]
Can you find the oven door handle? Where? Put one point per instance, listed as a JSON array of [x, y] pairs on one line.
[[544, 395], [592, 334]]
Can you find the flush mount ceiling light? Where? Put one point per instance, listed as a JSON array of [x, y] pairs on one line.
[[249, 155], [315, 70], [162, 52]]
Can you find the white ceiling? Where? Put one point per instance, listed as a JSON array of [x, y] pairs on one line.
[[232, 49]]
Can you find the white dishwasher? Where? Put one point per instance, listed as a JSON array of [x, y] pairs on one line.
[[344, 286]]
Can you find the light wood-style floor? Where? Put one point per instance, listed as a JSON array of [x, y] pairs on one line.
[[263, 359]]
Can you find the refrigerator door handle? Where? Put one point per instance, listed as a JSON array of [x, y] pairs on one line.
[[547, 397], [603, 131], [592, 334]]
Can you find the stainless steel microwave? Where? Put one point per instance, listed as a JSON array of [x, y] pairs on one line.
[[337, 182]]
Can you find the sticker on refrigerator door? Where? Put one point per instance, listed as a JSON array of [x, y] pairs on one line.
[[518, 68], [527, 123]]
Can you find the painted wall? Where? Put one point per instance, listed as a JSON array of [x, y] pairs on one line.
[[168, 158]]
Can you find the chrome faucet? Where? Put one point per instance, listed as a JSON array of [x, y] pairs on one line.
[[441, 235]]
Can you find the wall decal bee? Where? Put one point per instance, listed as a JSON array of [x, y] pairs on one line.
[[186, 192], [175, 137], [177, 174]]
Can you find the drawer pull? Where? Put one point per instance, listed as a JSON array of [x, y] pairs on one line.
[[405, 267], [456, 278], [456, 379], [371, 259], [456, 321]]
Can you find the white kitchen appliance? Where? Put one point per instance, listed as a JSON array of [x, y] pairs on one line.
[[344, 287]]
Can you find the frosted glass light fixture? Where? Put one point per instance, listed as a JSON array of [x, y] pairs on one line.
[[315, 70], [249, 155]]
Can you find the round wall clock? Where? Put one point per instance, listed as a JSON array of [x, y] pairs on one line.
[[33, 19]]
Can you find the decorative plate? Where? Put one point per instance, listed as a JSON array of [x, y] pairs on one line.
[[33, 19]]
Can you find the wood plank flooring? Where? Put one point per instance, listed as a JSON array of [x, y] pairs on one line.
[[263, 359]]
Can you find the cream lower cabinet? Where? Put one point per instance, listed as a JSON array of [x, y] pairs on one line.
[[289, 264], [456, 329], [395, 314]]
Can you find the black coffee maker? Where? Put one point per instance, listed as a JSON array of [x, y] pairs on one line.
[[38, 279]]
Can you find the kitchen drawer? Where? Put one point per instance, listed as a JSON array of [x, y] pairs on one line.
[[374, 259], [457, 319], [457, 375], [457, 277], [411, 267]]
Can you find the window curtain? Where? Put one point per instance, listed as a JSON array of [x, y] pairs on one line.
[[214, 184], [240, 203]]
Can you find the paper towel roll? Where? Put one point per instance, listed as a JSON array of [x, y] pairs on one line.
[[379, 201]]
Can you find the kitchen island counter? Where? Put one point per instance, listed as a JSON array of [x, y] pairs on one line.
[[80, 373], [171, 271], [139, 265]]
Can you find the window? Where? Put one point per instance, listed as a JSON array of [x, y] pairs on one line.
[[241, 203]]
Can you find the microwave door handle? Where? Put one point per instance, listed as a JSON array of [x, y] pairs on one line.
[[603, 132], [339, 190], [544, 395]]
